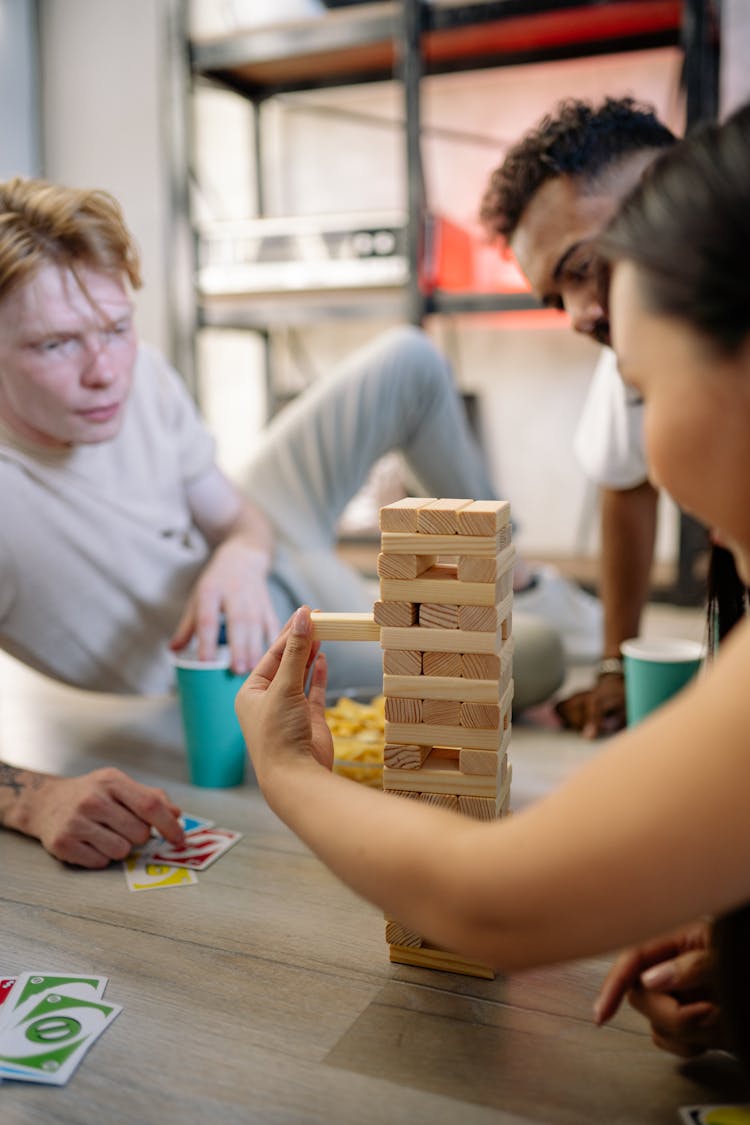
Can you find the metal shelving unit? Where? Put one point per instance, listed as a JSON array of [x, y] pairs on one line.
[[402, 41]]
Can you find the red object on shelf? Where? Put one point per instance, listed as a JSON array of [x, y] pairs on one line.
[[620, 19], [447, 256]]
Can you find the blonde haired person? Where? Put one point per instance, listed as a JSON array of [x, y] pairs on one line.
[[121, 536]]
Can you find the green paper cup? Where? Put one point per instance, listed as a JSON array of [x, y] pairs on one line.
[[216, 751], [655, 670]]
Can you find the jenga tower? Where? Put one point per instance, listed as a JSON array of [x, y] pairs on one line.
[[446, 591]]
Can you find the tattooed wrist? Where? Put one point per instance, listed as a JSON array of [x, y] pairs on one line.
[[10, 778]]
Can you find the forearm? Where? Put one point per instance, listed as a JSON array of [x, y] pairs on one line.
[[17, 790], [413, 861], [623, 851], [252, 530], [628, 537]]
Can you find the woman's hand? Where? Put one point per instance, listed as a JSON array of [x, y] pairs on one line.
[[669, 981], [283, 727]]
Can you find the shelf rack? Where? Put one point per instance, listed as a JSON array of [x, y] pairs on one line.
[[408, 39]]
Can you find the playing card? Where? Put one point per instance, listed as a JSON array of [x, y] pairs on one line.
[[142, 873], [190, 822], [6, 984], [715, 1114], [201, 849], [47, 1038], [30, 986]]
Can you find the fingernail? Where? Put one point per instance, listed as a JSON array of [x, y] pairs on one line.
[[301, 623], [658, 976], [597, 1010]]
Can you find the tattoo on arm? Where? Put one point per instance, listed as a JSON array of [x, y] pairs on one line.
[[10, 778]]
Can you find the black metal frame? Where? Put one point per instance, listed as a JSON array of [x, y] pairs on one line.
[[406, 22]]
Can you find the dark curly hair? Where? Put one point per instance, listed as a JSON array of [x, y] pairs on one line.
[[580, 140]]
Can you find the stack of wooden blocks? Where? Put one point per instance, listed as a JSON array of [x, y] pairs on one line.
[[446, 578]]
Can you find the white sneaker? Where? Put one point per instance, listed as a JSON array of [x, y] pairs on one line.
[[577, 616]]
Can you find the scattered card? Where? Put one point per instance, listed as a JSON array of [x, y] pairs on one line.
[[30, 986], [142, 873], [48, 1032], [715, 1115], [201, 849]]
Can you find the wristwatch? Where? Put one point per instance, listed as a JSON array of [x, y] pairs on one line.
[[610, 666]]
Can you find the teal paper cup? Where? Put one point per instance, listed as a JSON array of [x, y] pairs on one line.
[[215, 747], [655, 670]]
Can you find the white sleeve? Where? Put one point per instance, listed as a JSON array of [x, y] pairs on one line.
[[608, 441]]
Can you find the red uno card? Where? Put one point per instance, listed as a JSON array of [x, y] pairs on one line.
[[201, 849], [6, 984]]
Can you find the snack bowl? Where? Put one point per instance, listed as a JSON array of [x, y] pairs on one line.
[[357, 728]]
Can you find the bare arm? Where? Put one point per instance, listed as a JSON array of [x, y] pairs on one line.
[[89, 820], [624, 850], [628, 537], [628, 524], [234, 582]]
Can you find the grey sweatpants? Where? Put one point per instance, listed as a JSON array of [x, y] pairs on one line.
[[397, 393]]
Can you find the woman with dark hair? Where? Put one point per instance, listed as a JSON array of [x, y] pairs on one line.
[[654, 831]]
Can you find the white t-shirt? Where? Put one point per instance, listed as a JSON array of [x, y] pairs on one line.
[[98, 550], [609, 437]]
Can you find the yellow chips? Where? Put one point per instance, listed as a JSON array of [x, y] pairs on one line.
[[358, 731]]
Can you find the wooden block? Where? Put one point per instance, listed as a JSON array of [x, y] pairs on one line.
[[487, 808], [473, 568], [435, 734], [344, 626], [488, 666], [440, 585], [481, 716], [442, 687], [403, 543], [401, 662], [440, 517], [488, 763], [399, 614], [441, 664], [507, 627], [404, 567], [483, 619], [483, 517], [402, 711], [428, 958], [440, 640], [434, 616], [441, 800], [441, 775], [414, 794], [396, 934], [446, 712], [402, 515], [397, 756], [506, 704]]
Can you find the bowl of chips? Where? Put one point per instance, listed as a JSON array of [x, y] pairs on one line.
[[358, 731]]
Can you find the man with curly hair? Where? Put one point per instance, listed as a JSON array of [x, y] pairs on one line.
[[552, 196]]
